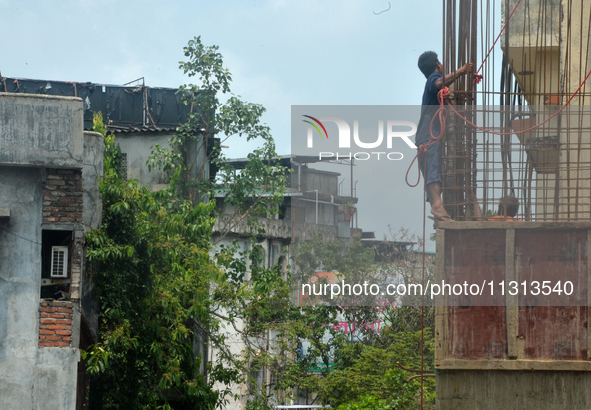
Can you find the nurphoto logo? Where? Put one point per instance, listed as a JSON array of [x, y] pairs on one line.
[[392, 130]]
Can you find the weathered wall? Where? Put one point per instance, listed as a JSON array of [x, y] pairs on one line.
[[94, 147], [325, 182], [513, 390], [275, 251], [92, 216], [41, 130], [24, 366], [138, 147], [41, 160]]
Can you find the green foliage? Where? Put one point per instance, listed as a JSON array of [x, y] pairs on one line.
[[366, 403], [209, 118], [357, 371], [162, 288], [151, 280], [369, 369], [349, 259], [113, 157]]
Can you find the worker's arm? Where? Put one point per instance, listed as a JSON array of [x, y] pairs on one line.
[[451, 77]]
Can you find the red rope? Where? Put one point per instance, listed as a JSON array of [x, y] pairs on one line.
[[477, 76], [441, 96], [423, 293], [444, 92], [522, 131]]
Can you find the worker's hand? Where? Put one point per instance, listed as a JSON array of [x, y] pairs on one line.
[[467, 68]]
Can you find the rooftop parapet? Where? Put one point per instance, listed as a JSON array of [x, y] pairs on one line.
[[38, 130]]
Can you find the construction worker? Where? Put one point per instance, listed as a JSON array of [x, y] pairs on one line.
[[432, 69]]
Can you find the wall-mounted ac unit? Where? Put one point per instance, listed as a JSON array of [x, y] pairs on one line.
[[59, 262]]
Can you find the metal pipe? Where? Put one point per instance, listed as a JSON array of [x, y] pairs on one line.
[[316, 206], [320, 202]]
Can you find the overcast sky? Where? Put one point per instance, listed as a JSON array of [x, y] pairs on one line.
[[281, 53]]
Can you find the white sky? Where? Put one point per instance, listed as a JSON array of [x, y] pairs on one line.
[[281, 53]]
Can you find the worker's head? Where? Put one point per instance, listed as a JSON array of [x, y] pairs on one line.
[[428, 63], [512, 205]]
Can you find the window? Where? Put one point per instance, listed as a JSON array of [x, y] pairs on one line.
[[56, 251], [254, 378], [59, 262], [123, 166]]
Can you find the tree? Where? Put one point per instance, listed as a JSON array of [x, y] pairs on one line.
[[161, 286], [364, 373]]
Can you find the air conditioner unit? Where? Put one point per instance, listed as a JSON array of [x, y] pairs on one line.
[[59, 262]]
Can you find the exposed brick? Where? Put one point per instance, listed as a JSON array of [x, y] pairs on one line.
[[63, 332], [66, 219], [48, 321], [62, 344], [55, 338], [56, 327], [64, 310], [68, 316], [47, 309], [46, 344], [66, 338], [56, 315], [46, 332], [67, 327], [56, 182]]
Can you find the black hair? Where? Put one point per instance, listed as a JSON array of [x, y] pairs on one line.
[[512, 206], [428, 63]]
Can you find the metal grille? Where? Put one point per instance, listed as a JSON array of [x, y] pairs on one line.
[[123, 166], [539, 62], [59, 261]]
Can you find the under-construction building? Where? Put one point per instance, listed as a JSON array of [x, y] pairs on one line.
[[525, 130]]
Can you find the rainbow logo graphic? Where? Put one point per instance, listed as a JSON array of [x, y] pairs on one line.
[[316, 126]]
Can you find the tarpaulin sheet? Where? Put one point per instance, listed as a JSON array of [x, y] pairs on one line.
[[122, 106]]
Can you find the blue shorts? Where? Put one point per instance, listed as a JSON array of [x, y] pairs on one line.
[[433, 173]]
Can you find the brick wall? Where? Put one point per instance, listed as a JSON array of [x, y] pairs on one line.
[[62, 196], [55, 323]]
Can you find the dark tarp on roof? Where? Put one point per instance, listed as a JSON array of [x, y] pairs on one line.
[[122, 106]]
